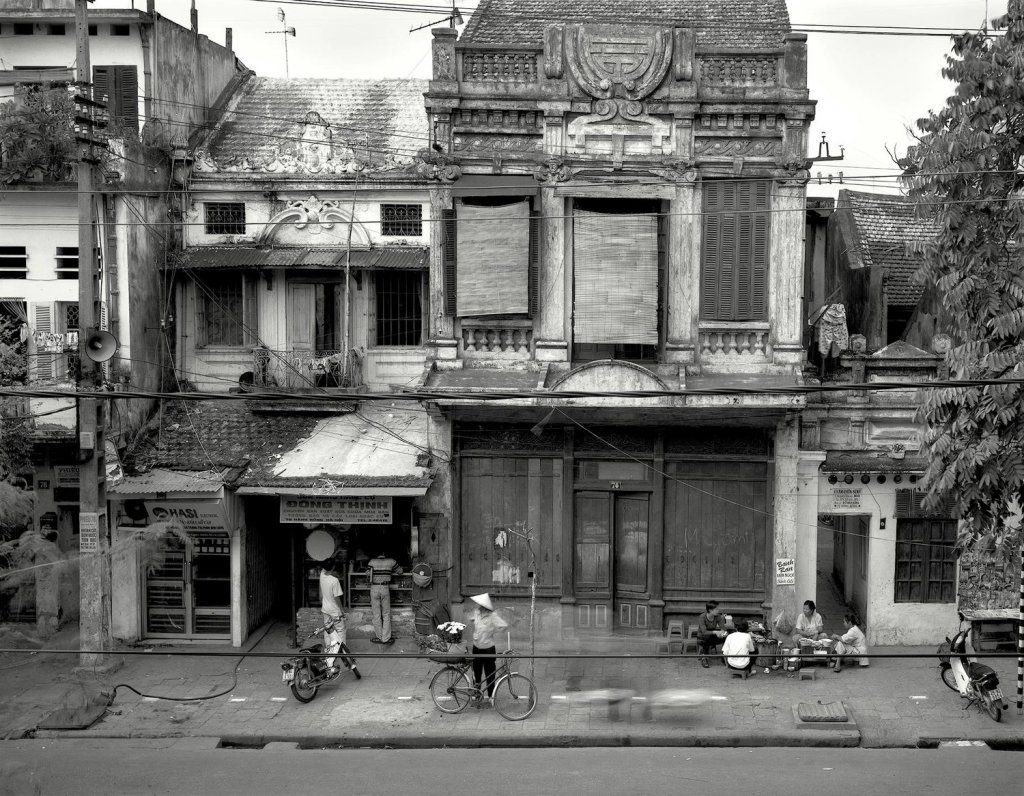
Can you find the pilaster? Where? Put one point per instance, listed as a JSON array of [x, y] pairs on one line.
[[683, 274]]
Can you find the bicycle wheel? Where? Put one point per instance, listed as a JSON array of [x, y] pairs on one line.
[[451, 690], [949, 678], [515, 696]]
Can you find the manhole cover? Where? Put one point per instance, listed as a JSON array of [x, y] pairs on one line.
[[830, 711]]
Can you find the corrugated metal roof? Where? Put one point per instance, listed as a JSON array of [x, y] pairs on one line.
[[161, 480], [405, 258]]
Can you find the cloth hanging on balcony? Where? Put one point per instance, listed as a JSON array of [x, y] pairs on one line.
[[493, 257], [615, 266], [833, 336]]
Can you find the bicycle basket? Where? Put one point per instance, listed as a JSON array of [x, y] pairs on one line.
[[510, 659], [443, 652]]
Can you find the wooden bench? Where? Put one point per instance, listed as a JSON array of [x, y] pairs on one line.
[[993, 629]]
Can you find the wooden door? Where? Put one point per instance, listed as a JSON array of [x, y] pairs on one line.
[[631, 513], [301, 334]]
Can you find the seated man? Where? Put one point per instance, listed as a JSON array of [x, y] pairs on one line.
[[739, 647], [710, 630]]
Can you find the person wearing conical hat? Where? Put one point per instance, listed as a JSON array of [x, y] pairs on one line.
[[487, 624]]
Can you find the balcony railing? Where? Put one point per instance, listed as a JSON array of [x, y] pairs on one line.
[[735, 342], [501, 339], [303, 369]]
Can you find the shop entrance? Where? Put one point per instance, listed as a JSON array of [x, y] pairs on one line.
[[188, 591], [611, 559]]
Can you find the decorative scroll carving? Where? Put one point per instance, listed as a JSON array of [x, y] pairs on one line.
[[499, 67], [676, 170], [746, 70], [609, 61], [315, 217], [554, 51], [737, 147], [685, 41], [794, 172], [616, 121], [554, 170], [496, 144], [444, 61], [496, 339], [432, 165]]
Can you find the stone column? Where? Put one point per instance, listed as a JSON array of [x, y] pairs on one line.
[[683, 274], [786, 262], [551, 345], [441, 326]]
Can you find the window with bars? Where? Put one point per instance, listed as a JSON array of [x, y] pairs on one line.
[[225, 310], [401, 220], [67, 262], [13, 262], [925, 560], [70, 362], [734, 251], [225, 218], [399, 308]]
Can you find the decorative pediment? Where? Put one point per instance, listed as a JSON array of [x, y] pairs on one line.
[[609, 375], [611, 61], [901, 350], [314, 222], [620, 128]]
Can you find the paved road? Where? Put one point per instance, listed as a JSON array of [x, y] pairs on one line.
[[93, 766]]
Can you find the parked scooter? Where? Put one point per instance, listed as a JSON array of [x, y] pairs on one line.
[[306, 674], [975, 682]]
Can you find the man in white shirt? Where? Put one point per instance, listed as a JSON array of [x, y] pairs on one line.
[[330, 608], [738, 648]]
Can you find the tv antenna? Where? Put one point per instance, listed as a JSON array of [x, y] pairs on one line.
[[824, 154], [285, 31], [454, 19]]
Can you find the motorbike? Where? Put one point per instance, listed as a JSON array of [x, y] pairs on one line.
[[307, 672], [975, 682]]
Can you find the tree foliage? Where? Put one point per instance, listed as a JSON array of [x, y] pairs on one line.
[[37, 136], [966, 171]]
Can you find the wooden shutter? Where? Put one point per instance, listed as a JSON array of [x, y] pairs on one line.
[[910, 504], [199, 298], [711, 242], [249, 310], [120, 85], [45, 364], [534, 270], [101, 85], [450, 261]]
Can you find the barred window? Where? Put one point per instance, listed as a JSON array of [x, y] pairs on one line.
[[225, 310], [13, 262], [401, 220], [399, 308], [925, 561], [71, 316], [225, 218]]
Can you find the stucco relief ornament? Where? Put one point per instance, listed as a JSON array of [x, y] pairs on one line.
[[554, 170], [204, 162], [609, 61], [315, 213], [794, 172], [433, 165], [677, 170]]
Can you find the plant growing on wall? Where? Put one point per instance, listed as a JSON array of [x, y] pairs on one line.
[[37, 136]]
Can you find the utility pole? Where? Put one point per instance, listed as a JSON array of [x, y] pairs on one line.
[[94, 534]]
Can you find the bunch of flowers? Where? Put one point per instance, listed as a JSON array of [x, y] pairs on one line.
[[451, 631]]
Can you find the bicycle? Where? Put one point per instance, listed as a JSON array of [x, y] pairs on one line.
[[514, 694]]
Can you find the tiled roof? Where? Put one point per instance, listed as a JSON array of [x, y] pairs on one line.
[[384, 116], [409, 258], [726, 23], [885, 225]]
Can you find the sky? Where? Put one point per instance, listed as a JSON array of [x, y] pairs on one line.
[[869, 88]]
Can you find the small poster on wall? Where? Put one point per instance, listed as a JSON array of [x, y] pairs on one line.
[[785, 572]]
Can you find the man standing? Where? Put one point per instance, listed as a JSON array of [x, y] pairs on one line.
[[330, 608], [381, 569]]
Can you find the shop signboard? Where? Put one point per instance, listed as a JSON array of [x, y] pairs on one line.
[[369, 510], [196, 516], [66, 475], [89, 523], [842, 498], [785, 572]]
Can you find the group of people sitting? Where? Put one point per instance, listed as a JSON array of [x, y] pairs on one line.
[[739, 648]]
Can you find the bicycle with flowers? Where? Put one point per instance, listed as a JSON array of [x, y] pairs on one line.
[[514, 695]]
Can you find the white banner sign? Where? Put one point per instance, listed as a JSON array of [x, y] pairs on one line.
[[842, 498], [374, 510], [191, 516], [89, 531], [785, 572]]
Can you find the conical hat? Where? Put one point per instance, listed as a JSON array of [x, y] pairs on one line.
[[483, 600]]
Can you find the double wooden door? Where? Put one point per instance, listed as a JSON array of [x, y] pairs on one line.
[[611, 572]]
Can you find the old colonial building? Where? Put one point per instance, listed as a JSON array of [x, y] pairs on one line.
[[619, 205]]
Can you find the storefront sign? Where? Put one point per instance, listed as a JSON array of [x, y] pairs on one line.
[[785, 572], [374, 510], [89, 531], [190, 516], [846, 498], [67, 476]]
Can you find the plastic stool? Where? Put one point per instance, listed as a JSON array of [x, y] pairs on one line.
[[690, 640], [808, 674], [739, 673], [675, 636]]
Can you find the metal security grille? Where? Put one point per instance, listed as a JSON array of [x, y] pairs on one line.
[[225, 218], [399, 308], [401, 220], [70, 317], [13, 262], [73, 362]]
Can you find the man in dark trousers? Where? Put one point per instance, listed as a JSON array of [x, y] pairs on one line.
[[381, 569], [710, 630]]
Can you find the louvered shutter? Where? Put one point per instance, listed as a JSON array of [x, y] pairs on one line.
[[250, 329], [128, 96], [711, 242], [42, 322], [450, 261], [199, 300], [534, 273], [101, 86]]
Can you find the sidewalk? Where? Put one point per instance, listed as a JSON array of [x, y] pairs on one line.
[[894, 703]]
